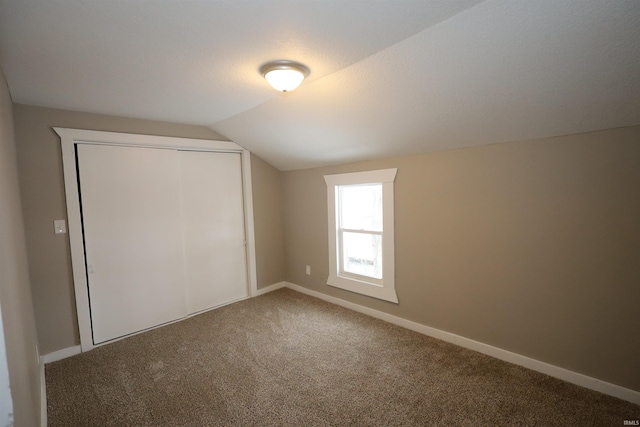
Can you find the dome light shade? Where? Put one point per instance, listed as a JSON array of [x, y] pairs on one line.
[[284, 76]]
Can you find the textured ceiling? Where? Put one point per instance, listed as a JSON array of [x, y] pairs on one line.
[[387, 77]]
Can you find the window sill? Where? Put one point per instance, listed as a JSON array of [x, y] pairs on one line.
[[375, 290]]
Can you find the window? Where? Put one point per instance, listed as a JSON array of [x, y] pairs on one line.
[[361, 243]]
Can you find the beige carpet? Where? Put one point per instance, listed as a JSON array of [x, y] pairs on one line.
[[286, 359]]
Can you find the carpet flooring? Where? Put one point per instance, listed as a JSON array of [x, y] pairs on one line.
[[287, 359]]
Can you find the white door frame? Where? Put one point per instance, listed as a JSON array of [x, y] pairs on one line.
[[70, 138]]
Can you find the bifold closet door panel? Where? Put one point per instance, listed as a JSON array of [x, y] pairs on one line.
[[133, 237], [213, 224]]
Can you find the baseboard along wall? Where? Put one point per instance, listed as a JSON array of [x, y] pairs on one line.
[[43, 395], [508, 356], [62, 354], [271, 288]]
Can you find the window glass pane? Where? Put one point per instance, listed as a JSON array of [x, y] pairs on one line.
[[362, 254], [361, 206]]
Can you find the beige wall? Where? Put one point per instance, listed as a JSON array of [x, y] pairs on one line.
[[532, 247], [43, 200], [268, 222], [15, 294]]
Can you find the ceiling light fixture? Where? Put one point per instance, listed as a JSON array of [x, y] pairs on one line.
[[284, 76]]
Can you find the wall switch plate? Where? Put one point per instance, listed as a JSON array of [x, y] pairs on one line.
[[60, 226], [308, 270]]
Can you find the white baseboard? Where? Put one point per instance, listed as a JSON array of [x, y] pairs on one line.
[[61, 354], [508, 356], [270, 288], [43, 395]]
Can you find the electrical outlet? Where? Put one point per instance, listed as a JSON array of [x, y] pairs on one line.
[[59, 226], [308, 270]]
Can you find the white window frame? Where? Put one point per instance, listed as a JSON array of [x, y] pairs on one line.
[[378, 288]]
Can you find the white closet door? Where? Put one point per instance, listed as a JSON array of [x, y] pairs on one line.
[[213, 224], [133, 238]]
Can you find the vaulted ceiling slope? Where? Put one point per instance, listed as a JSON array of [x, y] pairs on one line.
[[387, 78]]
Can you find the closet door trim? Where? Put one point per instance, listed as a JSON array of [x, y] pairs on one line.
[[69, 138]]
